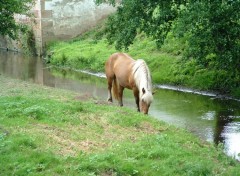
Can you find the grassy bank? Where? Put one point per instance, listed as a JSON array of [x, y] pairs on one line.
[[90, 52], [46, 131]]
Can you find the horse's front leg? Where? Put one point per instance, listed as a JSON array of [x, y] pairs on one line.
[[136, 95], [110, 80], [120, 93]]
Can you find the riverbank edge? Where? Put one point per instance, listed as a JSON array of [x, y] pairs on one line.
[[166, 65], [167, 145], [214, 94]]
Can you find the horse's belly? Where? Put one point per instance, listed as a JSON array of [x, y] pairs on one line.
[[124, 83]]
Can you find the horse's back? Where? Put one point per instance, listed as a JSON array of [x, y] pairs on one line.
[[118, 62], [119, 65]]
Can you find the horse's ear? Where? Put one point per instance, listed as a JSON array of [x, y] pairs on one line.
[[143, 91]]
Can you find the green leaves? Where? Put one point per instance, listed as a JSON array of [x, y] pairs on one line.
[[210, 28], [213, 27], [8, 25], [155, 18]]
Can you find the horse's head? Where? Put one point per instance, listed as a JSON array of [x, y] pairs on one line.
[[145, 100]]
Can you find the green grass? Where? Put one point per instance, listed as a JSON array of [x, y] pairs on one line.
[[90, 54], [46, 131]]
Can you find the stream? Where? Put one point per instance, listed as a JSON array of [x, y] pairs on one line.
[[213, 119]]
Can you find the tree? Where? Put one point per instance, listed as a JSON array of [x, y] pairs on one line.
[[8, 8], [214, 32], [154, 17], [212, 27]]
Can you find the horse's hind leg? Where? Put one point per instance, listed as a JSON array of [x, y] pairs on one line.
[[120, 93], [110, 81]]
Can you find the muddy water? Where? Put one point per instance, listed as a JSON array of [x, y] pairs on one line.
[[212, 119]]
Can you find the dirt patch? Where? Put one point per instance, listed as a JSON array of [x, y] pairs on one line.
[[4, 131], [148, 128], [108, 173], [89, 97], [95, 134], [61, 141], [84, 97]]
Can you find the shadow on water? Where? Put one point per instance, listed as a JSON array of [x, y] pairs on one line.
[[212, 119]]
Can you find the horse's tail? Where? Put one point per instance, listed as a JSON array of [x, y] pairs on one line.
[[115, 89]]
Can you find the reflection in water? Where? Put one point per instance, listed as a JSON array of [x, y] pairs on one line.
[[231, 135], [221, 122], [21, 67], [214, 120], [78, 82]]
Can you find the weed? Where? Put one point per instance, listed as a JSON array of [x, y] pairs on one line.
[[35, 111]]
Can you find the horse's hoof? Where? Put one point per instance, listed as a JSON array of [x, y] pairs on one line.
[[110, 100]]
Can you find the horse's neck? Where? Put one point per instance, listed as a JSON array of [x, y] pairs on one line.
[[141, 76]]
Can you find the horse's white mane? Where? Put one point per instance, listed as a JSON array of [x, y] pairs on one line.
[[143, 79]]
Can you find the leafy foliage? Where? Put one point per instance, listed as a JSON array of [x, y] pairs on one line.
[[9, 8], [212, 27], [213, 37], [152, 17]]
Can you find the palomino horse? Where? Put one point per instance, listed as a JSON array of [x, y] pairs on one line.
[[124, 72]]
